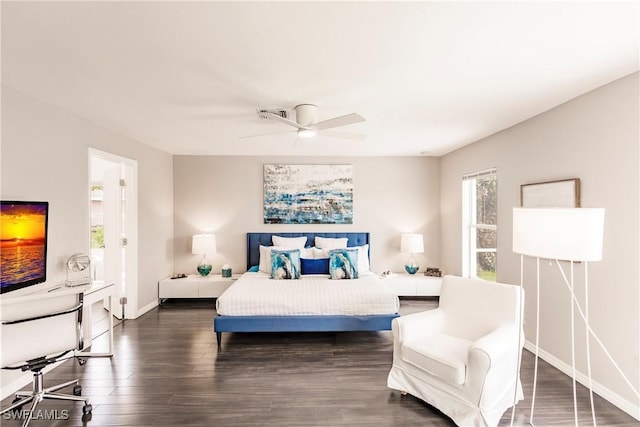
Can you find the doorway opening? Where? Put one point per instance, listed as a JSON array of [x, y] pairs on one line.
[[114, 230]]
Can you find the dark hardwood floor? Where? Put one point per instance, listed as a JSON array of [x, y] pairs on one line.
[[167, 371]]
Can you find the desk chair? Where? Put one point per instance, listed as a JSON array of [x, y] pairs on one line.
[[36, 331]]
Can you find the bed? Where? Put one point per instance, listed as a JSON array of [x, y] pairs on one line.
[[352, 313]]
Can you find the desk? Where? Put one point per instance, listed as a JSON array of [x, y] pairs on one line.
[[92, 293], [97, 291]]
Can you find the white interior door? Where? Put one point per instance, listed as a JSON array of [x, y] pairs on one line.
[[118, 178], [113, 233]]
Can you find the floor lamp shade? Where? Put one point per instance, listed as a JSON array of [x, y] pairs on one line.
[[571, 234]]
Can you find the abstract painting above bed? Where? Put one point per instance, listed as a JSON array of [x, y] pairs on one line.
[[308, 194], [313, 303]]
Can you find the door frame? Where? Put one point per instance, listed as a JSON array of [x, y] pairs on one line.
[[131, 226]]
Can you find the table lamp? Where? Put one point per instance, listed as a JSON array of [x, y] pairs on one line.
[[414, 244], [204, 244]]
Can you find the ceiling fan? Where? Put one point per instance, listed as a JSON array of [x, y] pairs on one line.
[[306, 123]]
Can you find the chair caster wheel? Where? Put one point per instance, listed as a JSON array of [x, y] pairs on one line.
[[82, 361], [86, 409], [16, 400], [18, 409], [77, 390]]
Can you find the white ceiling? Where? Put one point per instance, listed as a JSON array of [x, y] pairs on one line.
[[187, 77]]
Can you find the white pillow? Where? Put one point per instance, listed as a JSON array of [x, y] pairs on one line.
[[329, 243], [319, 253], [289, 242], [265, 258], [363, 259], [308, 253]]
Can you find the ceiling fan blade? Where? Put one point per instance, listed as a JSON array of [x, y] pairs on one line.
[[348, 119], [287, 121], [344, 135], [266, 134]]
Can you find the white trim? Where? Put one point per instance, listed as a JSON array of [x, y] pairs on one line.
[[475, 175], [470, 226], [466, 228], [612, 397], [146, 309], [131, 226]]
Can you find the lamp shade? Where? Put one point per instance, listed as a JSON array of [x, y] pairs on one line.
[[203, 244], [571, 234], [413, 243]]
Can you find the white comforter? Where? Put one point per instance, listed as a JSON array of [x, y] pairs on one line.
[[255, 294]]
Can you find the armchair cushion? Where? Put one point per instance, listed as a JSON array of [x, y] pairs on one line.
[[443, 356]]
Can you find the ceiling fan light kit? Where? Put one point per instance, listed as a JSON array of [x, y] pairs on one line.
[[307, 133]]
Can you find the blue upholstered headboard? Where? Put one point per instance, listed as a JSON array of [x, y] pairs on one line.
[[254, 240]]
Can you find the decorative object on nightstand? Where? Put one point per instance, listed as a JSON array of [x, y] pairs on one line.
[[433, 272], [414, 244], [226, 271], [204, 244]]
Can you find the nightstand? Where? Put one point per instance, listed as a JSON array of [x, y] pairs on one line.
[[406, 285], [195, 286]]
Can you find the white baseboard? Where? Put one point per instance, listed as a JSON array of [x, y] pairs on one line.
[[612, 397], [146, 308]]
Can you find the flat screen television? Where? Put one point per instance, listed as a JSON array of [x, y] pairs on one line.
[[23, 244]]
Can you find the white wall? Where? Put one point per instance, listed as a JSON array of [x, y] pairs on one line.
[[594, 137], [224, 195], [45, 157]]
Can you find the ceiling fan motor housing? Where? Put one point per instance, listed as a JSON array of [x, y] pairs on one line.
[[306, 114]]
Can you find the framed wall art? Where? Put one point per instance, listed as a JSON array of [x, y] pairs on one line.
[[308, 194], [564, 193]]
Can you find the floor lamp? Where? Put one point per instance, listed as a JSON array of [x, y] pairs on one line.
[[561, 234]]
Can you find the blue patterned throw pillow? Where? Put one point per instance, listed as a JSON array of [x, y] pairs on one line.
[[285, 264], [343, 264]]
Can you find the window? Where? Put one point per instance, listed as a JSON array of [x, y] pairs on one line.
[[479, 224]]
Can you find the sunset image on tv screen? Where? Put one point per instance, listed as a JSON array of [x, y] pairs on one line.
[[23, 230]]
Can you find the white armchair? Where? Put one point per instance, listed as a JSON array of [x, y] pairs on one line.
[[462, 357]]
